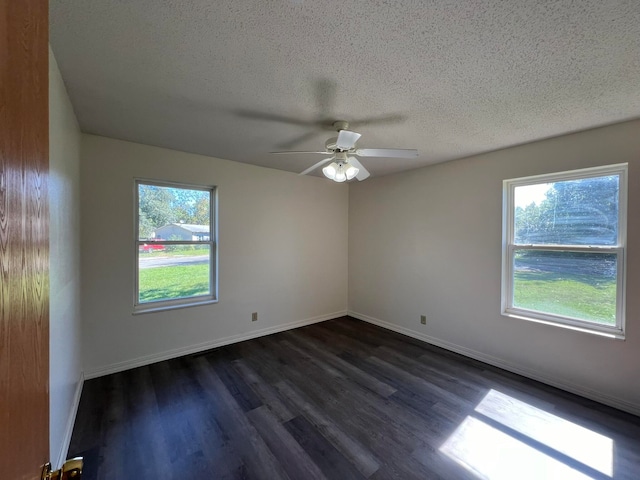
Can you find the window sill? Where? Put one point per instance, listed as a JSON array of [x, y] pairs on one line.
[[142, 309], [614, 334]]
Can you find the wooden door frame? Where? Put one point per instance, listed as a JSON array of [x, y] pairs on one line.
[[24, 237]]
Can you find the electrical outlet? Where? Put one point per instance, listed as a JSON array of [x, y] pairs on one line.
[[254, 317], [423, 319]]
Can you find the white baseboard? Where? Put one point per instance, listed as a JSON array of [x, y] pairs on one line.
[[68, 431], [180, 352], [562, 384]]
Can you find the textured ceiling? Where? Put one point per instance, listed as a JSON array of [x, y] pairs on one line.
[[236, 79]]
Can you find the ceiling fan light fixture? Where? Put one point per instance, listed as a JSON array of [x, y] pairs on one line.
[[331, 170], [351, 171], [344, 162], [340, 172]]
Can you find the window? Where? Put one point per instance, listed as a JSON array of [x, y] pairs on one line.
[[175, 245], [564, 240]]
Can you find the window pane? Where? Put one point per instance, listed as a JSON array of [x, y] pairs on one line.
[[575, 212], [570, 284], [180, 271], [173, 213]]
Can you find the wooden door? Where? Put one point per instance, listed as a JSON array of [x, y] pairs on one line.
[[24, 238]]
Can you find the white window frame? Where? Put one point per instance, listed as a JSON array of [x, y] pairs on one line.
[[159, 305], [509, 248]]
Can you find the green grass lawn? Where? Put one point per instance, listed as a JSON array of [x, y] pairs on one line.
[[577, 296], [165, 283]]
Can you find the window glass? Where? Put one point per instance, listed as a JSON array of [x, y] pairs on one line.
[[180, 271], [175, 245], [574, 212], [564, 248], [172, 213], [572, 284]]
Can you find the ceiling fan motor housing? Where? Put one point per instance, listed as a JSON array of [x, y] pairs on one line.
[[330, 144]]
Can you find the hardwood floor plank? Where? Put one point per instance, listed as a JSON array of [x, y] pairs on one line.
[[424, 387], [346, 368], [246, 442], [441, 467], [372, 335], [243, 394], [114, 431], [292, 456], [354, 451], [435, 425], [338, 400], [337, 341], [143, 426], [386, 437], [214, 445], [348, 402], [332, 463], [450, 382], [268, 395], [88, 433], [177, 426]]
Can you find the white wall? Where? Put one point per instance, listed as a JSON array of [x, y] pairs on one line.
[[428, 242], [282, 253], [65, 326]]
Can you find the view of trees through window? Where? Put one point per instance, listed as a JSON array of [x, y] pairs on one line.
[[564, 260], [175, 242], [160, 206], [574, 212]]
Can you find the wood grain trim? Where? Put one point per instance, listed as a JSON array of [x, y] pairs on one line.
[[24, 238]]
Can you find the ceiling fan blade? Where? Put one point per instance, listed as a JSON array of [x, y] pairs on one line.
[[317, 165], [362, 172], [347, 140], [387, 152], [291, 152], [271, 117], [391, 118], [298, 140]]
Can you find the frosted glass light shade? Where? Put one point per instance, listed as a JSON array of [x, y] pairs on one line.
[[331, 170], [340, 172]]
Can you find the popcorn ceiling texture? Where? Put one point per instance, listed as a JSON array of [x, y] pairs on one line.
[[456, 77]]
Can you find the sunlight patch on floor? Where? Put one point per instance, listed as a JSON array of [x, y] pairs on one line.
[[507, 438]]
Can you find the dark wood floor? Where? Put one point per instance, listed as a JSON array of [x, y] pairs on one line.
[[344, 399]]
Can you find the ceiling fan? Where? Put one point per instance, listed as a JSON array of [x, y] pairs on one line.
[[343, 152]]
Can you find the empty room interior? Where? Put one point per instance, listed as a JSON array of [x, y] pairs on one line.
[[338, 239]]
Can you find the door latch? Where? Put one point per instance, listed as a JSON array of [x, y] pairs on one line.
[[72, 469]]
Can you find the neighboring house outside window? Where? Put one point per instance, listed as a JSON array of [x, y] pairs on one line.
[[564, 242], [183, 231], [175, 245]]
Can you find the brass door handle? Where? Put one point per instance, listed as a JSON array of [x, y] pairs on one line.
[[71, 470]]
